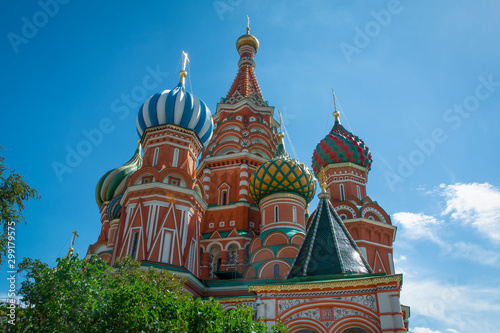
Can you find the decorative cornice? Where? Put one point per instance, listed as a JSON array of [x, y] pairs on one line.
[[174, 127], [236, 299], [240, 105], [280, 195], [243, 157], [373, 222], [329, 284], [345, 164]]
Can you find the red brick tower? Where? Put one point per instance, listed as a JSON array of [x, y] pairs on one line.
[[346, 161], [154, 205], [244, 137]]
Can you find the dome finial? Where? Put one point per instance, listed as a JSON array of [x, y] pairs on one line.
[[322, 182], [183, 73], [70, 251], [248, 25], [336, 114], [322, 179]]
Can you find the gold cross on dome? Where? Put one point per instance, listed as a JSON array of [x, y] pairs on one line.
[[334, 101], [74, 235], [70, 251], [186, 59]]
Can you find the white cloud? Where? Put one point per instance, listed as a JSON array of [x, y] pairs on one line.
[[475, 204], [466, 308], [423, 330], [418, 226], [474, 253], [451, 330]]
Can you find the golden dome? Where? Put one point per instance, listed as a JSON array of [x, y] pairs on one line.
[[247, 39]]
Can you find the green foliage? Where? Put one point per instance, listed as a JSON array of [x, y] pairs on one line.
[[79, 296], [13, 193]]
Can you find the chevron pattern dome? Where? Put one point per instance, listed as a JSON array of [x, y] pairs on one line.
[[339, 146], [282, 174], [113, 182], [178, 107]]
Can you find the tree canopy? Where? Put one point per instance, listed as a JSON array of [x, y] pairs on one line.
[[79, 296], [13, 193]]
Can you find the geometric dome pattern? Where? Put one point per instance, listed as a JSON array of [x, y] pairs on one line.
[[178, 107], [282, 174], [113, 182], [113, 210], [339, 146]]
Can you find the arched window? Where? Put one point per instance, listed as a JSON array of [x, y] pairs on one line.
[[191, 257], [214, 260], [342, 195], [359, 192], [276, 270], [223, 199], [276, 214], [294, 214], [233, 256], [155, 157], [166, 247], [133, 248], [176, 157]]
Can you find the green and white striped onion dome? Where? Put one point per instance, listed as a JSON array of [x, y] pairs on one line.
[[113, 182]]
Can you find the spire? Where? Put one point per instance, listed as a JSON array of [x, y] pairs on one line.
[[245, 84], [328, 248]]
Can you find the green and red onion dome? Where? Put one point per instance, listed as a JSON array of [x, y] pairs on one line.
[[282, 174], [341, 146], [113, 182]]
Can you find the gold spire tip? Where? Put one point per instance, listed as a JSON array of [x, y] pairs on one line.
[[248, 25], [336, 114]]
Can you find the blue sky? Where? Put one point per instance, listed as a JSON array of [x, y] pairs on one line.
[[418, 81]]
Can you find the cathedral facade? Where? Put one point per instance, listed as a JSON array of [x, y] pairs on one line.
[[216, 199]]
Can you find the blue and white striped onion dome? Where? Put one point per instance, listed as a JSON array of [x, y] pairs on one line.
[[113, 182], [178, 107]]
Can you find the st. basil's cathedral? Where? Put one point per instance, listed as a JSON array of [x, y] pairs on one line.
[[217, 200]]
